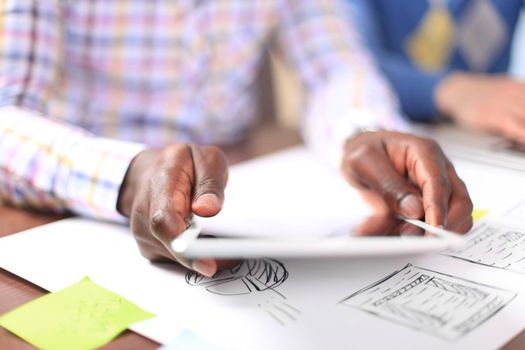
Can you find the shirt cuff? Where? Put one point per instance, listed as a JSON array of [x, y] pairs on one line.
[[97, 169], [343, 104]]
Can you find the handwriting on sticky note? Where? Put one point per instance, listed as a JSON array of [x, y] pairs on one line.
[[82, 316]]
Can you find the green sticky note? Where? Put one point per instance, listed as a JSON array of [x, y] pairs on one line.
[[478, 214], [82, 316]]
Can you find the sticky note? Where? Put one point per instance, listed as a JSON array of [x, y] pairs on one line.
[[82, 316], [478, 214], [188, 340]]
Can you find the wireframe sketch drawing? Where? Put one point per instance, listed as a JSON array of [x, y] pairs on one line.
[[252, 276], [439, 304], [494, 245]]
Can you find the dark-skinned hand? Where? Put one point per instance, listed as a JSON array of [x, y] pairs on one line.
[[408, 176], [161, 191]]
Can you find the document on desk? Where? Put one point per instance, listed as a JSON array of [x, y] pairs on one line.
[[432, 302], [497, 243], [476, 146]]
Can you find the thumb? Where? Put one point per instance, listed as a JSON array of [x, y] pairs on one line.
[[211, 172]]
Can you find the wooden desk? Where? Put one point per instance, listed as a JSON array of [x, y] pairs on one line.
[[15, 291]]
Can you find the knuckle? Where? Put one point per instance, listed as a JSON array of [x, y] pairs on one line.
[[158, 222], [430, 146], [394, 189], [358, 154], [209, 184], [175, 151], [214, 155], [441, 182]]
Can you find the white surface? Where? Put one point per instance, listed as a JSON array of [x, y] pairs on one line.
[[319, 248], [288, 215], [317, 312], [60, 254]]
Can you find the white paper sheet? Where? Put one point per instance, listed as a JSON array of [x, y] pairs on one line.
[[476, 147], [288, 304]]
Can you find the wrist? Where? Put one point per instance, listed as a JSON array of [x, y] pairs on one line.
[[136, 171]]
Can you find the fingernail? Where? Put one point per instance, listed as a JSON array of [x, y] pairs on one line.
[[205, 267], [411, 206], [208, 200]]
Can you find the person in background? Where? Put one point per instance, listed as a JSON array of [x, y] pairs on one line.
[[448, 58], [110, 109]]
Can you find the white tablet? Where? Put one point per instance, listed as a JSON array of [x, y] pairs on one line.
[[373, 236]]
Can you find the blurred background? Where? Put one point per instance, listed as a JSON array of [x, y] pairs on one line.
[[281, 92], [518, 59]]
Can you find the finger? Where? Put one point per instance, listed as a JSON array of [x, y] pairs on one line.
[[518, 108], [376, 226], [211, 175], [460, 205], [374, 169], [513, 128], [407, 229], [170, 193], [170, 201], [427, 166], [375, 201]]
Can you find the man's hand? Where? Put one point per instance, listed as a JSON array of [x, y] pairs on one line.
[[161, 191], [492, 104], [409, 176]]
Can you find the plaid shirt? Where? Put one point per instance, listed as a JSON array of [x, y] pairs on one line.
[[87, 84]]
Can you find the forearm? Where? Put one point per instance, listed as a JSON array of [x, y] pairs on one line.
[[343, 86], [344, 105], [52, 166]]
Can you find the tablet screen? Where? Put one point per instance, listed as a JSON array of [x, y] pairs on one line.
[[365, 226]]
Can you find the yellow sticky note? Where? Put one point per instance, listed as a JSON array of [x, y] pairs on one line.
[[82, 316], [478, 214]]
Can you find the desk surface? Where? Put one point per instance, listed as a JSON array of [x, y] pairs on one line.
[[15, 291]]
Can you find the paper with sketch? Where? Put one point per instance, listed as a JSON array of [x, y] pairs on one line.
[[498, 242], [495, 245], [436, 303], [259, 304], [276, 304], [288, 193]]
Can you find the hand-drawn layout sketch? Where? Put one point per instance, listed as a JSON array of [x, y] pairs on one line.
[[252, 276], [439, 304], [493, 245]]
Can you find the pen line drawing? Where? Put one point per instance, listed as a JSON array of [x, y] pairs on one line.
[[500, 246], [248, 277], [439, 304]]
